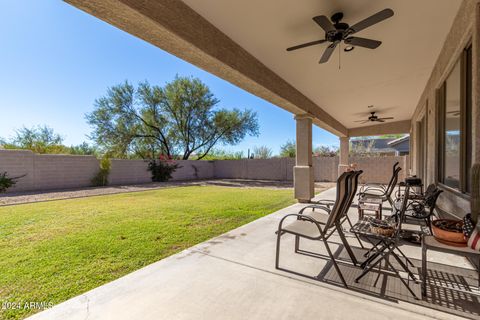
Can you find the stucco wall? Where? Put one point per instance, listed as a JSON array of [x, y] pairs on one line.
[[465, 29]]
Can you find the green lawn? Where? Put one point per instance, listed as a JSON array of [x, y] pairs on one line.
[[53, 251]]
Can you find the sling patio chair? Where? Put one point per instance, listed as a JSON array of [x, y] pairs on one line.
[[321, 204], [422, 207], [387, 243], [379, 187], [306, 226], [384, 195]]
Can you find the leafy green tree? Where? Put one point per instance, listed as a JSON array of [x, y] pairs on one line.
[[325, 151], [262, 152], [219, 154], [177, 120], [84, 149], [363, 148], [39, 139], [288, 150]]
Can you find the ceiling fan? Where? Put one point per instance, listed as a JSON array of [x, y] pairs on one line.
[[336, 32], [374, 118]]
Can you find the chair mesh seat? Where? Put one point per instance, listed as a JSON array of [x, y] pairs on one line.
[[321, 217], [303, 227]]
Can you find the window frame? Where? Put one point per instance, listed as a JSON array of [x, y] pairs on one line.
[[465, 125]]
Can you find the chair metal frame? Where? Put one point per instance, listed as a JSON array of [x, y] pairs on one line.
[[386, 246], [384, 195], [334, 214], [381, 187], [321, 204], [423, 207]]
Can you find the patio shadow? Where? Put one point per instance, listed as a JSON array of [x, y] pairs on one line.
[[449, 289]]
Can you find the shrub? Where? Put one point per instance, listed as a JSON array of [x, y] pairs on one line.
[[326, 151], [162, 168], [262, 152], [288, 150], [101, 178], [7, 182]]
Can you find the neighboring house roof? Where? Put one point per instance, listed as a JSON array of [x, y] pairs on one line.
[[385, 145], [399, 140], [401, 144]]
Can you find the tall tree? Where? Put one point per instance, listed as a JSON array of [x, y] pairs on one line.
[[178, 120], [39, 139], [84, 149], [288, 150]]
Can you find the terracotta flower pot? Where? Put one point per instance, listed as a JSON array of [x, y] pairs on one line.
[[449, 232]]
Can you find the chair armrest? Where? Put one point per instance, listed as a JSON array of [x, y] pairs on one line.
[[376, 185], [301, 217], [325, 202], [315, 206], [373, 190]]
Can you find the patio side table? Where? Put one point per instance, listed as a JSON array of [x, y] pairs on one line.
[[370, 204], [430, 243]]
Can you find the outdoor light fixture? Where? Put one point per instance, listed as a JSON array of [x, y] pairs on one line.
[[348, 48]]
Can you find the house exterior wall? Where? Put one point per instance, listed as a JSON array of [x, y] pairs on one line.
[[465, 30]]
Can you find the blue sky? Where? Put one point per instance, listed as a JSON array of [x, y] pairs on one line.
[[55, 60]]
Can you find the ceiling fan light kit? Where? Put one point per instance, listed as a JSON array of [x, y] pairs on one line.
[[337, 31], [374, 118]]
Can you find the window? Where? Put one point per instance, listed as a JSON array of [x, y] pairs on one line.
[[454, 99]]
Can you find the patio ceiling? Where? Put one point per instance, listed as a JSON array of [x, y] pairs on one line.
[[244, 43], [391, 78]]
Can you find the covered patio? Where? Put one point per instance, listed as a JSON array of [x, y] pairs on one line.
[[233, 276], [245, 42]]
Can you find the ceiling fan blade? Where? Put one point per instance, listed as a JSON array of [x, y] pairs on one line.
[[376, 18], [386, 118], [362, 42], [308, 44], [328, 52], [324, 23], [362, 121], [379, 120]]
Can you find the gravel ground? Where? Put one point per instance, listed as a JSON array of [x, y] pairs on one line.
[[29, 197]]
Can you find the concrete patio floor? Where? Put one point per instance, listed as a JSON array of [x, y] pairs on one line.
[[233, 277]]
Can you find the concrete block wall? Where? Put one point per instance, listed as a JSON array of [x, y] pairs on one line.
[[325, 168], [47, 172], [18, 163], [44, 172], [136, 171], [123, 171], [53, 171], [194, 170], [261, 169], [380, 169]]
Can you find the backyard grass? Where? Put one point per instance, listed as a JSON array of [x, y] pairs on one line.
[[52, 251]]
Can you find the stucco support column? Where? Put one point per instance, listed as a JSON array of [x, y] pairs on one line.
[[303, 177], [344, 151]]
